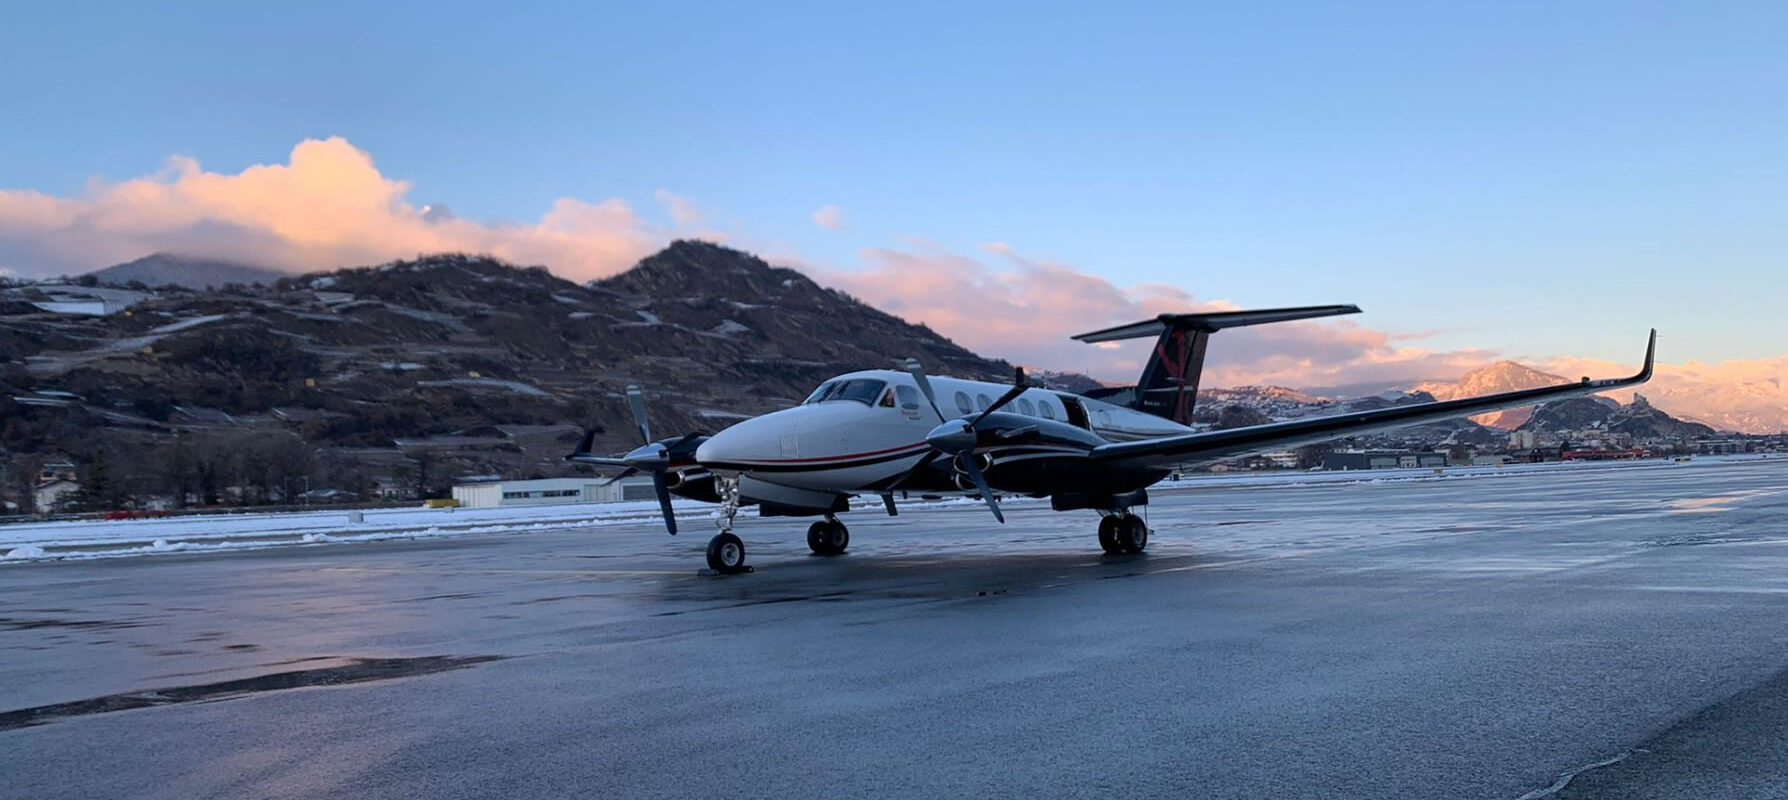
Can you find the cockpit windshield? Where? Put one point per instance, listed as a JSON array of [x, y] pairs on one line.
[[862, 390]]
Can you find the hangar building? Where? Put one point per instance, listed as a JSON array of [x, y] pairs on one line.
[[550, 491]]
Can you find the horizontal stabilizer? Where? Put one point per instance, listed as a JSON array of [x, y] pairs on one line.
[[1214, 321]]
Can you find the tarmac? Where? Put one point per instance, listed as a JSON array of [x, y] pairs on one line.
[[1618, 632]]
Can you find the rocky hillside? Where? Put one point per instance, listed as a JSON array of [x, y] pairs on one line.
[[165, 270], [482, 366], [1641, 419]]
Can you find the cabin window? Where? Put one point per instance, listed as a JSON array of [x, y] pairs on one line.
[[862, 390], [887, 399], [983, 401], [964, 404], [909, 397], [1026, 407]]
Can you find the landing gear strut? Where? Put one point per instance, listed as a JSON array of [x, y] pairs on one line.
[[726, 551], [828, 537], [1123, 532]]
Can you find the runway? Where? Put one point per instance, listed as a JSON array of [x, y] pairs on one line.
[[1482, 637]]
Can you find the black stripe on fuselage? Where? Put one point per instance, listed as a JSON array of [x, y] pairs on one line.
[[784, 469]]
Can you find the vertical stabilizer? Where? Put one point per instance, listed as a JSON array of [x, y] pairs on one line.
[[1169, 384]]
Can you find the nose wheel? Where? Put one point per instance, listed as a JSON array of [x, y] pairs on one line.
[[1123, 533], [828, 537], [726, 553]]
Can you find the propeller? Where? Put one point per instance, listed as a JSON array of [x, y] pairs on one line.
[[652, 457], [958, 437]]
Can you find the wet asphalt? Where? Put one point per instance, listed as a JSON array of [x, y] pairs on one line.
[[1445, 638]]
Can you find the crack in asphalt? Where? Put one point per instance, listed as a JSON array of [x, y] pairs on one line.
[[1565, 780]]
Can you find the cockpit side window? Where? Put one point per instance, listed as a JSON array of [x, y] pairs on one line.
[[909, 397]]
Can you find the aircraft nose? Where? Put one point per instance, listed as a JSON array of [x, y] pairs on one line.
[[748, 441], [772, 437], [721, 447]]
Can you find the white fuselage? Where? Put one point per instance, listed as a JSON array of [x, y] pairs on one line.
[[864, 428]]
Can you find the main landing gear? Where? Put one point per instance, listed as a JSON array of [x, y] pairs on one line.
[[828, 537], [1123, 532]]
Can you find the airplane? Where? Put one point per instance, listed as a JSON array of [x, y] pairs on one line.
[[881, 431]]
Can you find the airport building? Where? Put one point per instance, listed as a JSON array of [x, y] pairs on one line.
[[550, 491], [1382, 459]]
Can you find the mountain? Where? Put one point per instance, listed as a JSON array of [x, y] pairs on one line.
[[1641, 419], [1502, 376], [165, 270], [466, 363]]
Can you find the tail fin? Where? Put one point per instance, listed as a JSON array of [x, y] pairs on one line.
[[1169, 385]]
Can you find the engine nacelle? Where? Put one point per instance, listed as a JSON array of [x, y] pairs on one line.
[[1026, 455], [695, 484]]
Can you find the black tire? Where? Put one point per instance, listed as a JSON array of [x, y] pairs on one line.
[[726, 553], [828, 537], [1132, 534], [1108, 535]]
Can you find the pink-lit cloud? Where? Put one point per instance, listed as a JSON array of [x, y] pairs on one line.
[[1025, 310], [328, 206], [829, 217]]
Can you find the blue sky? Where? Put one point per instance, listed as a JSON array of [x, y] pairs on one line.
[[1542, 179]]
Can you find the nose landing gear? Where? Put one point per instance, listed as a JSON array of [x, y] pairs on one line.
[[828, 537], [726, 551], [1123, 532]]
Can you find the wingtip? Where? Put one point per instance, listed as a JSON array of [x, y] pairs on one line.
[[1651, 354]]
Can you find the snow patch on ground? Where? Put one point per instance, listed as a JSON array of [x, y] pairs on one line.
[[24, 543]]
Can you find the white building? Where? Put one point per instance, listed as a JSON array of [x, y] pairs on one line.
[[51, 493], [550, 491]]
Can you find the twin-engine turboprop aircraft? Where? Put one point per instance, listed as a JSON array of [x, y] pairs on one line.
[[882, 431]]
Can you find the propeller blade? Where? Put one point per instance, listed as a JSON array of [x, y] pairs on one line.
[[626, 473], [888, 503], [583, 446], [918, 372], [974, 471], [664, 502], [1018, 387], [636, 400]]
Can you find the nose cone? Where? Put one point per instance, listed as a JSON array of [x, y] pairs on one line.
[[756, 440], [954, 436]]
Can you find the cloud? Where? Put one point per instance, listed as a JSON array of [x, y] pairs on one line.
[[1025, 310], [328, 206], [829, 217], [682, 212]]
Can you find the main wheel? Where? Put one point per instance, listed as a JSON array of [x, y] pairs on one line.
[[726, 552], [828, 537], [1108, 535], [1132, 534]]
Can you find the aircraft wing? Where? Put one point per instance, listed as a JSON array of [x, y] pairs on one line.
[[1198, 448]]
